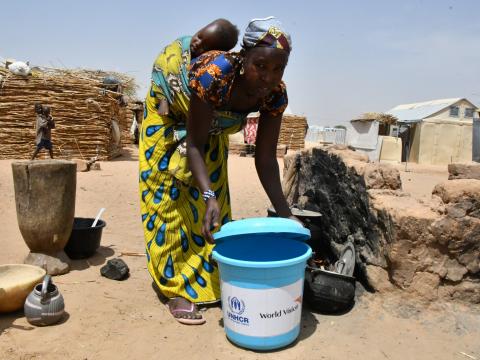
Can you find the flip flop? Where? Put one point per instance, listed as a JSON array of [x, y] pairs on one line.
[[346, 264], [186, 321]]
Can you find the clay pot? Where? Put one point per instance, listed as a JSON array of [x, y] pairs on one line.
[[45, 202]]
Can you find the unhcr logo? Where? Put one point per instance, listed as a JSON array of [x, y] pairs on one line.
[[236, 308]]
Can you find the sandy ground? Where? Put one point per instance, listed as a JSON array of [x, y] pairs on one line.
[[125, 320]]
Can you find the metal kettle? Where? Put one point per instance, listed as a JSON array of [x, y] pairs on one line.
[[44, 305]]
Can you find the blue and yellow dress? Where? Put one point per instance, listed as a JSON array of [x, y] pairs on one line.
[[171, 204]]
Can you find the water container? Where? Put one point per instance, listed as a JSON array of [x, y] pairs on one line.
[[262, 267]]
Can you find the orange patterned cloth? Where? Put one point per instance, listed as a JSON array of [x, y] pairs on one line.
[[211, 77]]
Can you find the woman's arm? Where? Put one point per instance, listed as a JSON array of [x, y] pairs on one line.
[[266, 162], [198, 125]]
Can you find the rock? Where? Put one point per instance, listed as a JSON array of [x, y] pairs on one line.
[[323, 183], [467, 291], [95, 166], [454, 191], [82, 165], [421, 247], [436, 204], [378, 279], [425, 285], [53, 265], [382, 177], [459, 238], [471, 261], [455, 271], [464, 171], [455, 211], [347, 153], [115, 269]]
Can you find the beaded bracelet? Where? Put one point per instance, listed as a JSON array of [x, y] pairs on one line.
[[208, 194]]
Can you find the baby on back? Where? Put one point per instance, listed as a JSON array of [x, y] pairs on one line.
[[220, 34]]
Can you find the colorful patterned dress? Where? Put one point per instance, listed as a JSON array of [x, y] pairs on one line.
[[171, 204]]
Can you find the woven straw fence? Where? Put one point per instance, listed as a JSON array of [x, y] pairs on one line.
[[293, 131], [84, 114]]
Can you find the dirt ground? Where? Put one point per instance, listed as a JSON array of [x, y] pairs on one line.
[[107, 319]]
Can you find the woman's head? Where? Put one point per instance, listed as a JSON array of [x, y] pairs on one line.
[[267, 47], [220, 34], [268, 32]]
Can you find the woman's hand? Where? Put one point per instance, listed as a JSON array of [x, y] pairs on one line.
[[210, 221]]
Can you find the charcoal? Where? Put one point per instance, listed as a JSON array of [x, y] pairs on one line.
[[115, 269]]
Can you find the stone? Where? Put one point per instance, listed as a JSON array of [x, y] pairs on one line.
[[455, 271], [347, 153], [378, 279], [58, 264], [453, 191], [425, 285], [115, 269], [95, 166], [471, 261], [464, 171], [459, 238], [455, 211], [427, 248], [382, 177], [82, 165], [467, 291]]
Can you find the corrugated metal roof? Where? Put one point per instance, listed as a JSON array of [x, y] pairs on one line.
[[416, 112]]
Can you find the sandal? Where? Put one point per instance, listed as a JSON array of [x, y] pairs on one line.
[[188, 315]]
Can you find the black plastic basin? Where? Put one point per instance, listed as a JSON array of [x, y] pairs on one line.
[[85, 239]]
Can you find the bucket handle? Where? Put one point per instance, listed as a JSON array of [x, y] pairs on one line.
[[46, 281]]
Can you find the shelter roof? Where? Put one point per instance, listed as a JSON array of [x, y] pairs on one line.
[[416, 112]]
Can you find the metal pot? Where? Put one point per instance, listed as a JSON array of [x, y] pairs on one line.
[[45, 305]]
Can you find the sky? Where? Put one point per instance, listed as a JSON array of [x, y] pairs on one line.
[[348, 57]]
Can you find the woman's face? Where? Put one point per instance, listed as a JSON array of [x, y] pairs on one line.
[[263, 69]]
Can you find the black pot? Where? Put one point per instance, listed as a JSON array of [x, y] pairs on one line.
[[328, 292], [84, 239]]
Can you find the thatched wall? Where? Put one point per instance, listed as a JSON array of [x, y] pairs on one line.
[[82, 109], [293, 131]]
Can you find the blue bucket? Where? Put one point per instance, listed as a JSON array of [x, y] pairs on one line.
[[262, 266]]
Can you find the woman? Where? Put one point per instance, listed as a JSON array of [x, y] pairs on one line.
[[183, 179]]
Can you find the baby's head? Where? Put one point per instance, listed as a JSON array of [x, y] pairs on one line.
[[46, 110], [220, 34]]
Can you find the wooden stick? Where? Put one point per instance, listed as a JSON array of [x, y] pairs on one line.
[[131, 253]]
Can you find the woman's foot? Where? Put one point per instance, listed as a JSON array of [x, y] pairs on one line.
[[185, 312]]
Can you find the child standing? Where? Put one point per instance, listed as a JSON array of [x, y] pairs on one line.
[[44, 126]]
